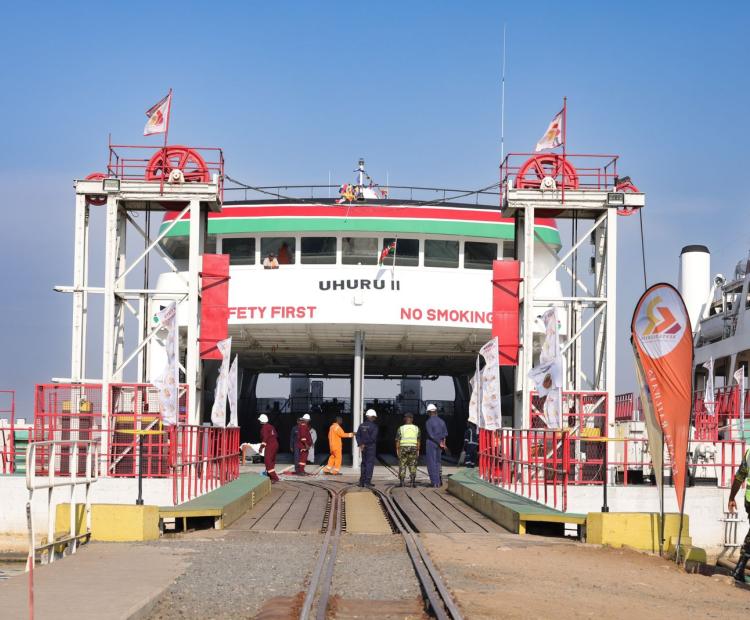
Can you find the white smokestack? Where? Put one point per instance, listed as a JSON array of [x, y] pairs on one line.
[[695, 279]]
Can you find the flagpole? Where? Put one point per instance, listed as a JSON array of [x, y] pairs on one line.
[[502, 105], [164, 148], [565, 142], [661, 500]]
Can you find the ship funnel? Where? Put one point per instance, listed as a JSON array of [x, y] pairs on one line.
[[695, 279]]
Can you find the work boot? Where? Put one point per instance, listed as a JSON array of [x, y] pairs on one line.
[[413, 482], [739, 570]]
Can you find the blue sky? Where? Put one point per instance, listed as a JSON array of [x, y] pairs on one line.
[[292, 90]]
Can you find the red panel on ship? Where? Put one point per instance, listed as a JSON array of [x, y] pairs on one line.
[[214, 304], [505, 286]]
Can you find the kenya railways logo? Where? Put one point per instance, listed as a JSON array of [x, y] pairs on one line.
[[661, 322]]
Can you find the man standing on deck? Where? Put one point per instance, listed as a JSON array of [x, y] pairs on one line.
[[436, 431], [304, 441], [335, 434], [407, 449], [739, 478], [269, 443], [293, 443], [367, 439], [471, 444]]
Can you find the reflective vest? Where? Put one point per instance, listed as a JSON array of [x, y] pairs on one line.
[[408, 435]]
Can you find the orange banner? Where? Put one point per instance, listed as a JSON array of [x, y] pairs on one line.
[[663, 341]]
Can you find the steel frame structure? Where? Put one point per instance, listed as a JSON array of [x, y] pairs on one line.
[[123, 199], [590, 307]]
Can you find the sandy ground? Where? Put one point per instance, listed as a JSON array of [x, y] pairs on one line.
[[508, 576]]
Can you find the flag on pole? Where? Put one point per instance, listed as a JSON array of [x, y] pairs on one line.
[[232, 392], [663, 341], [547, 376], [709, 399], [158, 116], [168, 382], [653, 428], [219, 409], [552, 138], [387, 251]]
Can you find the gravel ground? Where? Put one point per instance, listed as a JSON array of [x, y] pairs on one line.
[[233, 574], [374, 567]]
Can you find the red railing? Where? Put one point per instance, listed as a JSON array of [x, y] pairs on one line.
[[7, 433], [203, 458], [197, 458], [628, 408], [531, 462]]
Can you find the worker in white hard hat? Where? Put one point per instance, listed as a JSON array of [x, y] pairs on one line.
[[269, 444], [436, 432], [367, 439], [304, 441]]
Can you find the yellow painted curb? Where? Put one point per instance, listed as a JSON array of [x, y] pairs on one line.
[[638, 530], [112, 522]]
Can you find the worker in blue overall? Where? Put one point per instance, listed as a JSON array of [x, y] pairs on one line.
[[367, 438], [436, 431], [471, 444]]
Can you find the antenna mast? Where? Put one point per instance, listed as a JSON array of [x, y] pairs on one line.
[[502, 105]]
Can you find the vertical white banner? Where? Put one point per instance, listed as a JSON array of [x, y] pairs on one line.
[[547, 376], [709, 396], [739, 377], [219, 410], [168, 383], [487, 393], [232, 392]]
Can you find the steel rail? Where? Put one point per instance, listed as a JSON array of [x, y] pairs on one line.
[[438, 597]]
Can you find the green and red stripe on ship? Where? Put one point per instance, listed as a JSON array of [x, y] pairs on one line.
[[464, 222]]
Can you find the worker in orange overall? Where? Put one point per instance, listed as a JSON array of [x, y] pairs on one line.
[[335, 435]]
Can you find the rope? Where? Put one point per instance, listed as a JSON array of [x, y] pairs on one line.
[[643, 251]]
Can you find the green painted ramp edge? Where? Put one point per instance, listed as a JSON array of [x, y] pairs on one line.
[[510, 510]]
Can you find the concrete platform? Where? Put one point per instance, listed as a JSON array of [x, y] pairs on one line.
[[102, 581], [225, 504], [515, 513]]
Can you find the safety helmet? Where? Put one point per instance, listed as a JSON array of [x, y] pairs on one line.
[[431, 407], [263, 418], [371, 413], [306, 417]]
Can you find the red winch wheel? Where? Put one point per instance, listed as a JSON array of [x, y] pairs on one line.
[[97, 201], [626, 186], [182, 158], [536, 168]]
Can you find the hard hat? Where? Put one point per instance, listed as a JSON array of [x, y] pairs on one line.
[[431, 407], [306, 417], [263, 418], [371, 413]]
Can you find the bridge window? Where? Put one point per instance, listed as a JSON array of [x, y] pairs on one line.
[[318, 250], [282, 247], [509, 250], [241, 250], [479, 255], [407, 252], [359, 251], [440, 253]]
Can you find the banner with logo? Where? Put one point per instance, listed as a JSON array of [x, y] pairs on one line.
[[219, 409], [709, 397], [663, 342], [232, 392], [653, 428], [484, 408], [168, 382], [547, 376]]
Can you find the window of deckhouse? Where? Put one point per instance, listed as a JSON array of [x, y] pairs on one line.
[[440, 253], [359, 251], [479, 255], [318, 251]]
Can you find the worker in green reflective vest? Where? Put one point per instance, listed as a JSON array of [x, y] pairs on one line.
[[407, 449], [739, 478]]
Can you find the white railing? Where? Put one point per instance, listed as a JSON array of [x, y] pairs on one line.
[[55, 463]]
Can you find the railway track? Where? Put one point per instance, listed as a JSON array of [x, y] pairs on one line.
[[438, 600]]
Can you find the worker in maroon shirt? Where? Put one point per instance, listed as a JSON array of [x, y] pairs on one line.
[[304, 441], [269, 443]]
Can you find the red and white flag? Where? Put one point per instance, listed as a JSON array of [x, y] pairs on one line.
[[552, 138], [158, 116]]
